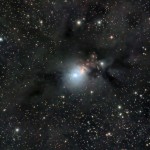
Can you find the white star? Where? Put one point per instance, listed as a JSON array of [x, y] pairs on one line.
[[119, 107], [135, 92], [1, 39], [4, 109], [102, 63], [41, 22], [74, 75], [120, 114], [99, 22], [111, 37], [92, 92], [79, 22], [108, 134], [17, 129]]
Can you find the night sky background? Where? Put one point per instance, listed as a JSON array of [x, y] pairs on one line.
[[74, 75]]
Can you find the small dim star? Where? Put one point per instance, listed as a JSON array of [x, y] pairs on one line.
[[91, 92], [4, 110], [135, 92], [108, 134], [41, 22]]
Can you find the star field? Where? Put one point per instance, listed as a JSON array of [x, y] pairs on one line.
[[75, 75]]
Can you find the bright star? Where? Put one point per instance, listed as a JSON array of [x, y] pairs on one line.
[[79, 22], [119, 107], [17, 129], [76, 73], [76, 76], [1, 39], [111, 37], [102, 63], [99, 22]]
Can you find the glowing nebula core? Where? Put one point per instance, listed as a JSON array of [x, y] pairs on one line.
[[76, 76]]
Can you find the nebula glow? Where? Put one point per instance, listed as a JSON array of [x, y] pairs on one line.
[[76, 76]]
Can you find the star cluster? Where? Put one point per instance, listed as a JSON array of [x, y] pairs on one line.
[[74, 75]]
